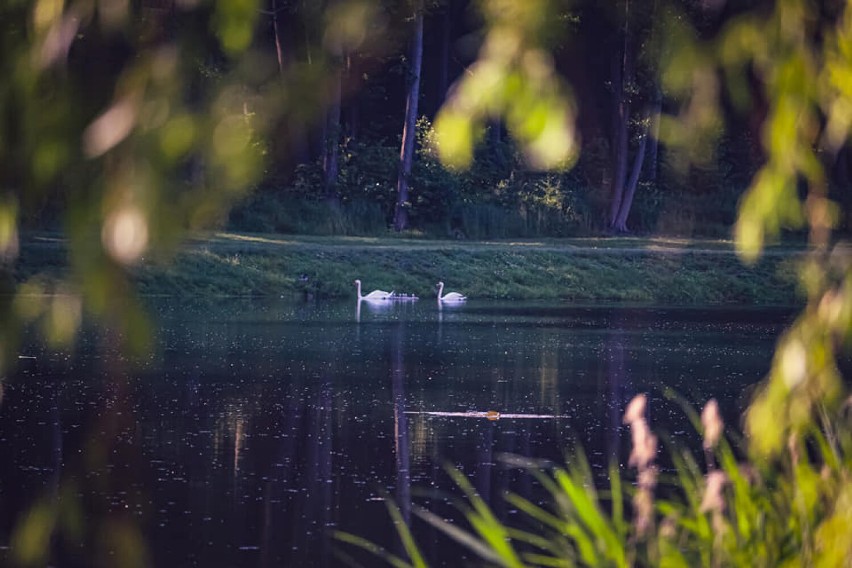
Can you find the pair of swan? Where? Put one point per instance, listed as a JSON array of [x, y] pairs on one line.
[[374, 295], [449, 296], [382, 295]]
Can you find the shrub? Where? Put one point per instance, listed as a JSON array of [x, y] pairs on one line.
[[267, 212]]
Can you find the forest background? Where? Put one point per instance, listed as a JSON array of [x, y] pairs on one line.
[[329, 159], [609, 52]]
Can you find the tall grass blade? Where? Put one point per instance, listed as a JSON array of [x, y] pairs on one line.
[[580, 468], [671, 556], [405, 535], [617, 497], [687, 481], [495, 535], [457, 534], [535, 512], [485, 523], [686, 406], [539, 560], [590, 514], [546, 543], [828, 450], [585, 546], [745, 509]]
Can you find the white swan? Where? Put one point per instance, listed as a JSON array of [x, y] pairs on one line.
[[449, 296], [374, 295]]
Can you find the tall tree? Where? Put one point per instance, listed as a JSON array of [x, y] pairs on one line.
[[331, 141], [276, 32], [620, 117], [353, 109], [409, 132], [623, 81], [654, 135], [620, 222], [446, 39]]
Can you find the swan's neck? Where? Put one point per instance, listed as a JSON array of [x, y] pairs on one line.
[[358, 284], [440, 291]]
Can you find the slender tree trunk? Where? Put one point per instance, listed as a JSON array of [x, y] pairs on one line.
[[332, 140], [409, 134], [630, 190], [308, 55], [654, 134], [621, 75], [331, 128], [652, 167], [606, 188], [619, 137], [279, 52], [352, 108], [313, 137], [446, 35]]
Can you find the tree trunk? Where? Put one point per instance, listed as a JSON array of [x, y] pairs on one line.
[[621, 75], [279, 52], [409, 134], [619, 146], [446, 35], [308, 55], [630, 191], [331, 127], [654, 133], [332, 141], [652, 167], [353, 113]]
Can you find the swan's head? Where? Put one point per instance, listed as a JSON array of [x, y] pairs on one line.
[[357, 282], [440, 284]]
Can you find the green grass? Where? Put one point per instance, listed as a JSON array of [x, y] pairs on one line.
[[667, 271]]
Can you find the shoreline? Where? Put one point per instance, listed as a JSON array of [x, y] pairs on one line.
[[649, 271]]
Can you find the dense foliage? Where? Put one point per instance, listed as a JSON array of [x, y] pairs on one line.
[[498, 196]]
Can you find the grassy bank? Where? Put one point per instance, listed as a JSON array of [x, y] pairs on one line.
[[589, 270]]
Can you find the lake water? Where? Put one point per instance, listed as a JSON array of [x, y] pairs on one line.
[[256, 428]]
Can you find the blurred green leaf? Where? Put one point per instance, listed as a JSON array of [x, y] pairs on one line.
[[234, 22]]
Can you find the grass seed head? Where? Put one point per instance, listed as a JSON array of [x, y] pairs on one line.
[[713, 424]]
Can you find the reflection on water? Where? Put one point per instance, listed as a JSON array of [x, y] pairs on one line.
[[255, 428]]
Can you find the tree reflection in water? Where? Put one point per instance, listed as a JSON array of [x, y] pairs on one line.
[[251, 432], [402, 445]]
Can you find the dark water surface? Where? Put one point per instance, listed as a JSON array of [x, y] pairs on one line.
[[256, 428]]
